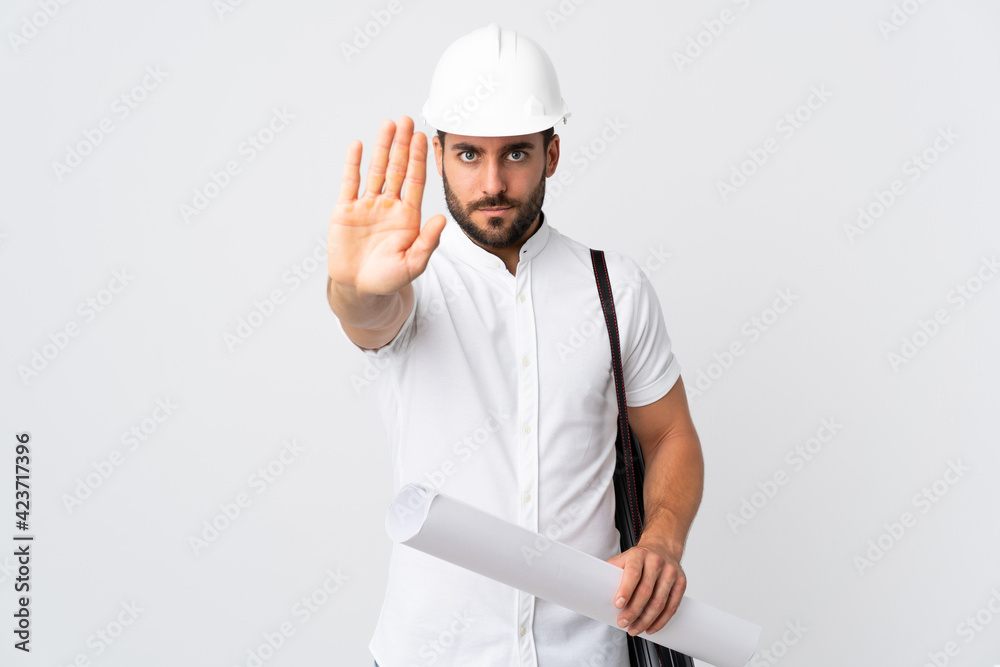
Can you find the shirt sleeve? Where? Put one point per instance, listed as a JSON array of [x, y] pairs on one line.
[[648, 362]]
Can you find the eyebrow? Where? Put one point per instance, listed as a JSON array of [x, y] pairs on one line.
[[516, 146]]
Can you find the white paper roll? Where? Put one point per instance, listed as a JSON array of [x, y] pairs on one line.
[[454, 531]]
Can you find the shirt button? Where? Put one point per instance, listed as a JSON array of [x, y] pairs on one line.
[[525, 362], [522, 297], [527, 429], [523, 630], [527, 497], [497, 263]]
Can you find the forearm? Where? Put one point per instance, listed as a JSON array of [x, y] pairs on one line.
[[371, 320], [672, 490]]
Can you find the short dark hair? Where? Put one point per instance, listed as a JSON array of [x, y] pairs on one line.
[[546, 137]]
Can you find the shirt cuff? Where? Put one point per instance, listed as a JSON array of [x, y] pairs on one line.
[[392, 347], [658, 389]]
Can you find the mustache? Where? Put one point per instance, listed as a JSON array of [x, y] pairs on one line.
[[499, 201]]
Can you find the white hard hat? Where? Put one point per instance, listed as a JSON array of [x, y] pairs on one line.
[[494, 83]]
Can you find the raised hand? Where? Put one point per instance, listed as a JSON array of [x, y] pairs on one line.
[[375, 245]]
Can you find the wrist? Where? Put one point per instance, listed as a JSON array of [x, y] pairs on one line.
[[663, 539], [365, 310]]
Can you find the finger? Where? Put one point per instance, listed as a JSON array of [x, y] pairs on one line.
[[380, 157], [654, 607], [351, 179], [673, 603], [640, 599], [416, 171], [626, 589], [397, 160]]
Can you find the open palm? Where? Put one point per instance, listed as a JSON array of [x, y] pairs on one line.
[[375, 243]]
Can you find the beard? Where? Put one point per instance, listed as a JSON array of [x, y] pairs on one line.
[[498, 233]]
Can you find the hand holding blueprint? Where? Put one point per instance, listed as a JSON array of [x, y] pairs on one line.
[[454, 531]]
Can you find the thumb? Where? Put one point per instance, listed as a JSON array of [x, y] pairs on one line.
[[426, 242]]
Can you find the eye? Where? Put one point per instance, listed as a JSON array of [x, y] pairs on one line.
[[465, 153], [522, 155]]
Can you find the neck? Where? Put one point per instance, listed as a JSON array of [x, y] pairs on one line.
[[509, 254]]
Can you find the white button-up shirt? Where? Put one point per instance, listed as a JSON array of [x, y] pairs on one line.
[[498, 391]]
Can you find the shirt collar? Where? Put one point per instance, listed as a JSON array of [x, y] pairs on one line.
[[454, 238]]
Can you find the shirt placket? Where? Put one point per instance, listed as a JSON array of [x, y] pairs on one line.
[[527, 409]]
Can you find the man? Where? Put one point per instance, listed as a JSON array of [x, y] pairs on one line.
[[496, 385]]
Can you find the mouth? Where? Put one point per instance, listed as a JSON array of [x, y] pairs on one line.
[[495, 211]]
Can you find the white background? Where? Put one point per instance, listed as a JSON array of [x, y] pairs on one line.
[[652, 189]]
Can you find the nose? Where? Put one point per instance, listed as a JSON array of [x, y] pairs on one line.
[[493, 178]]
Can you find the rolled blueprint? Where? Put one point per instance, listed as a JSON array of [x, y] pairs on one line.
[[454, 531]]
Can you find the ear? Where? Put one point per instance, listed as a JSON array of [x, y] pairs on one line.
[[552, 156], [438, 152]]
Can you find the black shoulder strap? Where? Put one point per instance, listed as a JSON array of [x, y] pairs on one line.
[[628, 477], [626, 452]]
